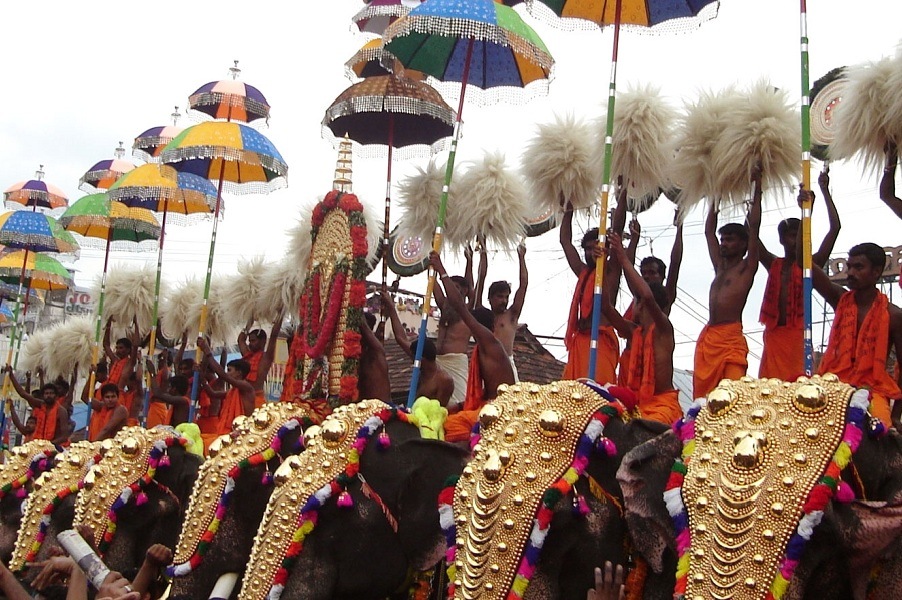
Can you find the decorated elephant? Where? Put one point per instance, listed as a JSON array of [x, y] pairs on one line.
[[230, 496], [23, 466], [767, 462]]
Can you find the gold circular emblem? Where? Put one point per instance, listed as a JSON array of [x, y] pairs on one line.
[[489, 414], [333, 432], [551, 423]]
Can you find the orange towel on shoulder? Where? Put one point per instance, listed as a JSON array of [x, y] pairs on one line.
[[623, 367], [783, 354], [230, 409], [459, 425], [45, 426], [578, 338], [721, 352], [770, 305], [663, 407], [253, 359], [859, 357], [158, 413]]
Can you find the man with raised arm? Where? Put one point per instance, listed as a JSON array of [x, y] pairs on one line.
[[52, 420], [506, 318], [888, 183], [865, 325], [490, 366], [721, 351], [260, 355], [653, 269], [239, 399], [782, 309], [453, 337]]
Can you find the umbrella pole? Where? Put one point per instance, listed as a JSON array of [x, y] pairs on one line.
[[806, 203], [12, 337], [202, 322], [95, 352], [439, 229], [385, 226], [24, 315], [605, 192], [156, 303]]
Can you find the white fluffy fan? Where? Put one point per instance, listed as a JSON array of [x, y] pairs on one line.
[[643, 141], [765, 128], [73, 342], [36, 351], [419, 196], [492, 202], [242, 290], [177, 310], [562, 163], [280, 290], [870, 111], [129, 295]]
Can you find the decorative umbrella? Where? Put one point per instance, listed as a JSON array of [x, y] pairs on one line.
[[377, 15], [670, 14], [368, 61], [149, 144], [35, 232], [35, 193], [239, 159], [42, 271], [103, 174], [6, 315], [229, 100], [113, 225], [386, 113], [479, 43], [162, 189]]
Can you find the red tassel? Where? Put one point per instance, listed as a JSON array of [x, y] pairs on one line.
[[141, 499], [384, 440], [345, 500]]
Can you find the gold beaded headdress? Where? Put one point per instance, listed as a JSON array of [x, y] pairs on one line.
[[23, 464]]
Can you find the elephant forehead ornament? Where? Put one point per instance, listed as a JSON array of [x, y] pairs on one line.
[[129, 464], [254, 440], [760, 447], [303, 483], [23, 464], [65, 477], [529, 437]]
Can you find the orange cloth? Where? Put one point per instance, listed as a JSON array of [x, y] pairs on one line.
[[99, 419], [578, 337], [158, 413], [623, 367], [115, 372], [663, 407], [253, 358], [230, 409], [783, 354], [859, 357], [459, 425], [770, 305], [46, 417], [259, 398], [475, 388], [721, 352], [642, 379]]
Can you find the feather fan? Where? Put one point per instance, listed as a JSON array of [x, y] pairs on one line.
[[222, 326], [697, 133], [298, 250], [869, 113], [35, 352], [129, 295], [764, 127], [643, 141], [373, 233], [280, 290], [419, 196], [562, 163], [73, 343], [492, 202], [242, 290], [176, 310]]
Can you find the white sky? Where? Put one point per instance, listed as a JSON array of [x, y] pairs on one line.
[[79, 77]]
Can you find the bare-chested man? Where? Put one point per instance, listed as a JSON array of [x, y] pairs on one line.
[[781, 309], [494, 368], [653, 269], [865, 325], [650, 372], [260, 355], [506, 318], [721, 351], [453, 338], [434, 383]]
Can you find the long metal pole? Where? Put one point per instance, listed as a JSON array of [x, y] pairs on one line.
[[605, 192], [386, 244], [95, 352], [156, 303], [439, 232], [806, 203]]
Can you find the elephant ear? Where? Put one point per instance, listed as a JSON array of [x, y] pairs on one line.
[[643, 475]]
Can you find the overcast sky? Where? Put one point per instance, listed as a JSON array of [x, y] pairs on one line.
[[80, 77]]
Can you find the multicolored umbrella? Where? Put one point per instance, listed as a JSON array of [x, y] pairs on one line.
[[35, 232], [377, 15], [229, 100], [41, 271], [149, 144], [105, 173], [367, 62], [6, 314], [35, 193], [478, 43], [669, 15]]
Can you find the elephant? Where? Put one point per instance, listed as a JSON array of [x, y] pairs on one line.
[[827, 569], [17, 475], [277, 429]]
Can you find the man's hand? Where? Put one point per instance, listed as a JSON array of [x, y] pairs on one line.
[[608, 586], [616, 245], [755, 174], [56, 570], [892, 154], [823, 180], [116, 586], [203, 345], [805, 195], [635, 229], [435, 261], [158, 555], [521, 249]]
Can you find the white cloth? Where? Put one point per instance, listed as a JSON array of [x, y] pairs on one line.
[[514, 367], [457, 365]]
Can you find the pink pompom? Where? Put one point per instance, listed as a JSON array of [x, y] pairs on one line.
[[164, 460], [141, 499], [607, 446], [21, 493], [582, 507], [384, 440], [844, 493], [266, 479], [345, 500]]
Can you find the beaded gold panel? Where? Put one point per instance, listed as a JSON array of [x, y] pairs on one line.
[[21, 457], [761, 446], [529, 437], [69, 468], [126, 462], [250, 436], [326, 456]]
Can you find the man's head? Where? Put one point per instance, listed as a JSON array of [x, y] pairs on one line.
[[31, 422], [62, 386], [652, 269], [123, 347], [865, 265], [734, 240], [429, 351], [256, 340], [462, 286], [48, 393], [186, 367], [238, 368], [589, 243], [485, 317], [178, 385], [101, 372], [109, 395], [499, 295], [788, 233]]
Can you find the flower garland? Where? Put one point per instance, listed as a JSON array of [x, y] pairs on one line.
[[206, 540], [812, 510], [592, 438], [39, 464], [310, 511]]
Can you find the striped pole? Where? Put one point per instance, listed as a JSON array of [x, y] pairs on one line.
[[806, 203]]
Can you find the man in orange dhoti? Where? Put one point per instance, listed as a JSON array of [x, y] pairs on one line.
[[721, 350], [864, 326], [781, 309], [650, 367], [578, 336], [237, 401], [260, 356], [51, 419], [109, 416]]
